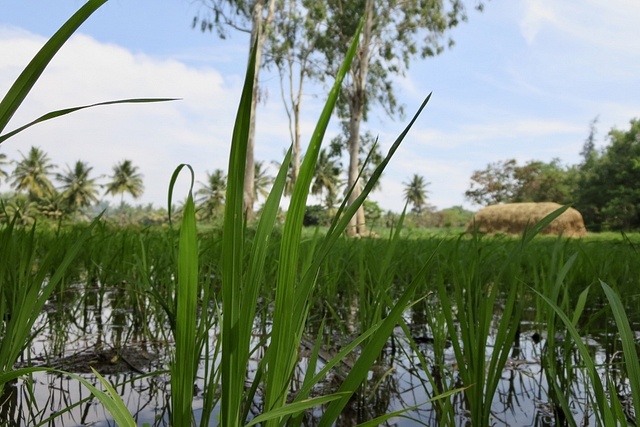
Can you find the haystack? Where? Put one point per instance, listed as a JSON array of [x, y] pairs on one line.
[[512, 218]]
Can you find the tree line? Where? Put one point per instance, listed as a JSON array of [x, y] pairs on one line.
[[35, 194], [603, 186]]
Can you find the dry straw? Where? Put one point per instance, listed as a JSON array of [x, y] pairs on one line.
[[514, 218]]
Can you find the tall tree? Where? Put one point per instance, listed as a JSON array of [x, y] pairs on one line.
[[291, 47], [32, 174], [589, 147], [415, 192], [125, 179], [78, 190], [393, 33], [212, 194], [252, 17]]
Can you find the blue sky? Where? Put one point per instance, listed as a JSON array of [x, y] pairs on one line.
[[523, 81]]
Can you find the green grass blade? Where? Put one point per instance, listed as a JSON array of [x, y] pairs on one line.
[[295, 408], [185, 364], [629, 347], [233, 370], [603, 407], [582, 302], [285, 336], [24, 83], [59, 113]]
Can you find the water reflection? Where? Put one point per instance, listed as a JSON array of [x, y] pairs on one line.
[[117, 330]]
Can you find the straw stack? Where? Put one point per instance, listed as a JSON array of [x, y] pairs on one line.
[[514, 218]]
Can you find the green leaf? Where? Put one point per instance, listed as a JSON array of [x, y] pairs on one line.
[[58, 113], [296, 407], [628, 342], [24, 83]]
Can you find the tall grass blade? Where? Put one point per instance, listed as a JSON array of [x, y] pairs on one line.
[[234, 369], [59, 113], [184, 366], [286, 329], [605, 413], [24, 83]]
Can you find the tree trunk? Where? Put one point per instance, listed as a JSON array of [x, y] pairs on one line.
[[257, 33], [357, 99]]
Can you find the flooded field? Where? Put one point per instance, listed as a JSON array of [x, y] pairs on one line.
[[108, 316]]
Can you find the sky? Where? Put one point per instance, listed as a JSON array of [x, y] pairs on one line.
[[523, 80]]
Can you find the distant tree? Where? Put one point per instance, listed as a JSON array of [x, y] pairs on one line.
[[393, 33], [253, 17], [262, 181], [3, 161], [536, 181], [373, 212], [589, 147], [493, 185], [415, 192], [212, 194], [77, 189], [291, 47], [53, 206], [32, 174], [608, 191], [327, 175], [125, 179]]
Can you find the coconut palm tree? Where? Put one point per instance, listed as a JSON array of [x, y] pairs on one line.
[[326, 175], [3, 161], [415, 192], [32, 174], [262, 182], [291, 177], [77, 189], [212, 193], [125, 179]]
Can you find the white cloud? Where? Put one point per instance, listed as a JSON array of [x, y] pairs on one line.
[[498, 130], [611, 24]]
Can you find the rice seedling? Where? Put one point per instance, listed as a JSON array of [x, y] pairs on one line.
[[473, 302]]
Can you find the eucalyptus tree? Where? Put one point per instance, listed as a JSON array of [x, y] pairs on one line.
[[125, 179], [32, 174], [292, 49], [253, 17], [78, 190], [211, 195], [394, 32], [415, 192]]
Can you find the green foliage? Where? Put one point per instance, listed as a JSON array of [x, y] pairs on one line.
[[372, 212], [536, 181], [608, 194], [32, 174], [77, 189], [315, 215], [125, 179], [211, 201]]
